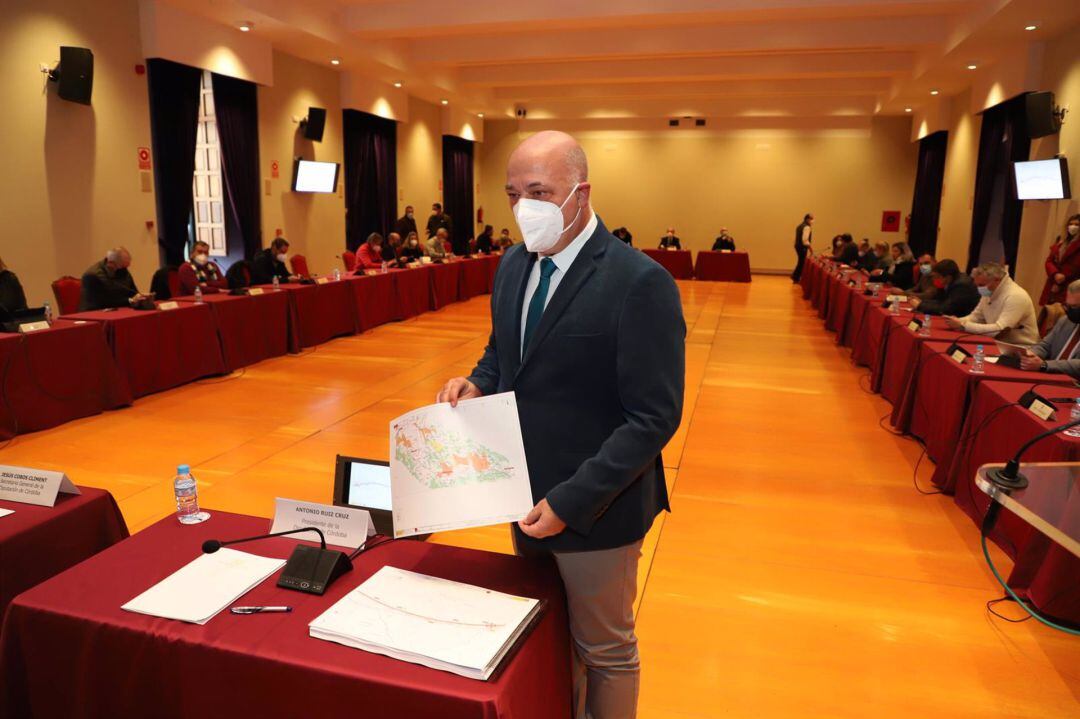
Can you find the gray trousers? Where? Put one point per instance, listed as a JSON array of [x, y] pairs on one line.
[[600, 591]]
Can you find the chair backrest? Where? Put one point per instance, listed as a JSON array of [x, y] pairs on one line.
[[299, 265], [349, 258], [67, 291], [239, 275], [161, 286], [448, 246], [174, 281]]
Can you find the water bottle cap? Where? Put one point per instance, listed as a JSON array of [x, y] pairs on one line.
[[183, 469]]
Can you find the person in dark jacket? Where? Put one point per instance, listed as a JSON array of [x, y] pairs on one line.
[[411, 250], [108, 283], [406, 223], [924, 286], [670, 241], [901, 273], [270, 263], [724, 241], [867, 261], [956, 294], [804, 236], [849, 251], [485, 243], [12, 297], [624, 234], [201, 272]]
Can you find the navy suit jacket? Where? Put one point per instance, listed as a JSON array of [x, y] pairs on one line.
[[599, 390]]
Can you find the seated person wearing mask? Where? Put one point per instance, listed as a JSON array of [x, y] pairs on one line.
[[270, 263], [370, 254], [391, 250], [901, 273], [1005, 310], [12, 297], [108, 283], [485, 243], [955, 294], [201, 272], [505, 240], [436, 245], [724, 241], [849, 251], [623, 234], [1057, 352], [411, 251], [669, 241], [881, 258], [867, 260], [924, 286]]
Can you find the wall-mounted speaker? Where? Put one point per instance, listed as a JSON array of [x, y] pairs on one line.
[[315, 123], [521, 112], [1043, 117], [74, 75]]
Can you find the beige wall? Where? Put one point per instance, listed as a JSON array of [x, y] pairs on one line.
[[958, 186], [758, 185], [71, 188], [313, 223], [419, 160]]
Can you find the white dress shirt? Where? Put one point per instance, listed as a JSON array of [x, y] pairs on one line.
[[1008, 314], [562, 261]]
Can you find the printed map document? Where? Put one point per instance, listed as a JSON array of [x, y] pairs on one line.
[[438, 623], [203, 587], [456, 467]]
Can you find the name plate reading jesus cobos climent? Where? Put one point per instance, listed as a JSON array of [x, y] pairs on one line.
[[33, 486], [343, 526]]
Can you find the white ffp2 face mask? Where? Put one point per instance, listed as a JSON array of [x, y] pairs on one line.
[[541, 222]]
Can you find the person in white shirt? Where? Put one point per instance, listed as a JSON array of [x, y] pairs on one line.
[[1005, 311]]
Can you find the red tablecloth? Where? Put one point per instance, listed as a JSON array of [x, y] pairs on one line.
[[723, 266], [476, 275], [936, 400], [320, 312], [250, 328], [901, 358], [810, 277], [412, 292], [994, 430], [39, 542], [68, 650], [677, 262], [56, 375], [446, 283], [374, 297], [859, 306], [159, 349]]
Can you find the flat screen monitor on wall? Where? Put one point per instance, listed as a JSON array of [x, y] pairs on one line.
[[311, 176], [1042, 179]]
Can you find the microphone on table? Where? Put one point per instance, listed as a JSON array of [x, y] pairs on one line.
[[308, 569], [956, 342]]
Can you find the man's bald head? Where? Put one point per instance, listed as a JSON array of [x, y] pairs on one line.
[[557, 152]]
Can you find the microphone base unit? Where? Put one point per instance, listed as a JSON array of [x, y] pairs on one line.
[[1006, 480], [313, 569]]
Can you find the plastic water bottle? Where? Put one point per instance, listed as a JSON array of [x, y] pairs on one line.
[[198, 295], [894, 307], [1073, 416], [48, 312], [384, 265], [277, 283], [924, 331], [187, 497], [337, 275], [978, 361]]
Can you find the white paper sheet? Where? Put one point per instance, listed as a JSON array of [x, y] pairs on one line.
[[456, 467], [426, 620], [6, 512], [203, 587]]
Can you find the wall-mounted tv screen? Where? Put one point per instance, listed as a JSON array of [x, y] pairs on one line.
[[1042, 179], [311, 176]]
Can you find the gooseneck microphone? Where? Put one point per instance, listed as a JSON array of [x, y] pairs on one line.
[[1010, 477], [212, 545]]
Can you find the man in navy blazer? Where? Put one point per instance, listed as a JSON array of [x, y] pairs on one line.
[[589, 335]]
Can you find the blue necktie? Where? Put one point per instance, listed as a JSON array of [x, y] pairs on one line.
[[536, 304]]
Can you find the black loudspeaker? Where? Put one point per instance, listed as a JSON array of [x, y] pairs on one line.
[[1041, 118], [75, 74], [316, 123]]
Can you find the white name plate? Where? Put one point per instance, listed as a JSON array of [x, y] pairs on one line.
[[343, 526], [321, 280], [255, 291], [33, 326], [168, 305], [33, 486]]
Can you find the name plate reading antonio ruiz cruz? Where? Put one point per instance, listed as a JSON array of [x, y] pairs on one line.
[[343, 526], [33, 486]]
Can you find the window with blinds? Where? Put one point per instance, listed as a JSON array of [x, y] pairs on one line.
[[208, 210]]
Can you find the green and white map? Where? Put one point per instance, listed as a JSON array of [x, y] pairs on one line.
[[448, 459]]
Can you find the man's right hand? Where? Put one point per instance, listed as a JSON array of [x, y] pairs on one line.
[[457, 389], [1030, 362]]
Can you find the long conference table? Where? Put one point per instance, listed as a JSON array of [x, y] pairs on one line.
[[90, 362], [964, 420]]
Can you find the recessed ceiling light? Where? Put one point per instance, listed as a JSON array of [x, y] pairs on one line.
[[972, 67], [397, 84], [933, 92], [335, 61], [246, 26], [480, 115], [1029, 28], [445, 102], [907, 109]]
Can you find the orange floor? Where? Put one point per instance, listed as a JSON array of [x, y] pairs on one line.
[[800, 574]]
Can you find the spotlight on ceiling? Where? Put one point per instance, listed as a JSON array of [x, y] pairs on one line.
[[1029, 28], [907, 109], [445, 102], [480, 115], [335, 61], [972, 66], [246, 26], [933, 92], [397, 84]]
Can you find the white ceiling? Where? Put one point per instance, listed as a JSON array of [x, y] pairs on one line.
[[598, 60]]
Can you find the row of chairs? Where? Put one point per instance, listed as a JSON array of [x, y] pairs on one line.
[[165, 283]]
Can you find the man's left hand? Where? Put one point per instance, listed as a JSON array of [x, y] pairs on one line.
[[953, 323], [542, 522]]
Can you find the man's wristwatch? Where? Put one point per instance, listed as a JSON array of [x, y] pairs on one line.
[[1042, 367]]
